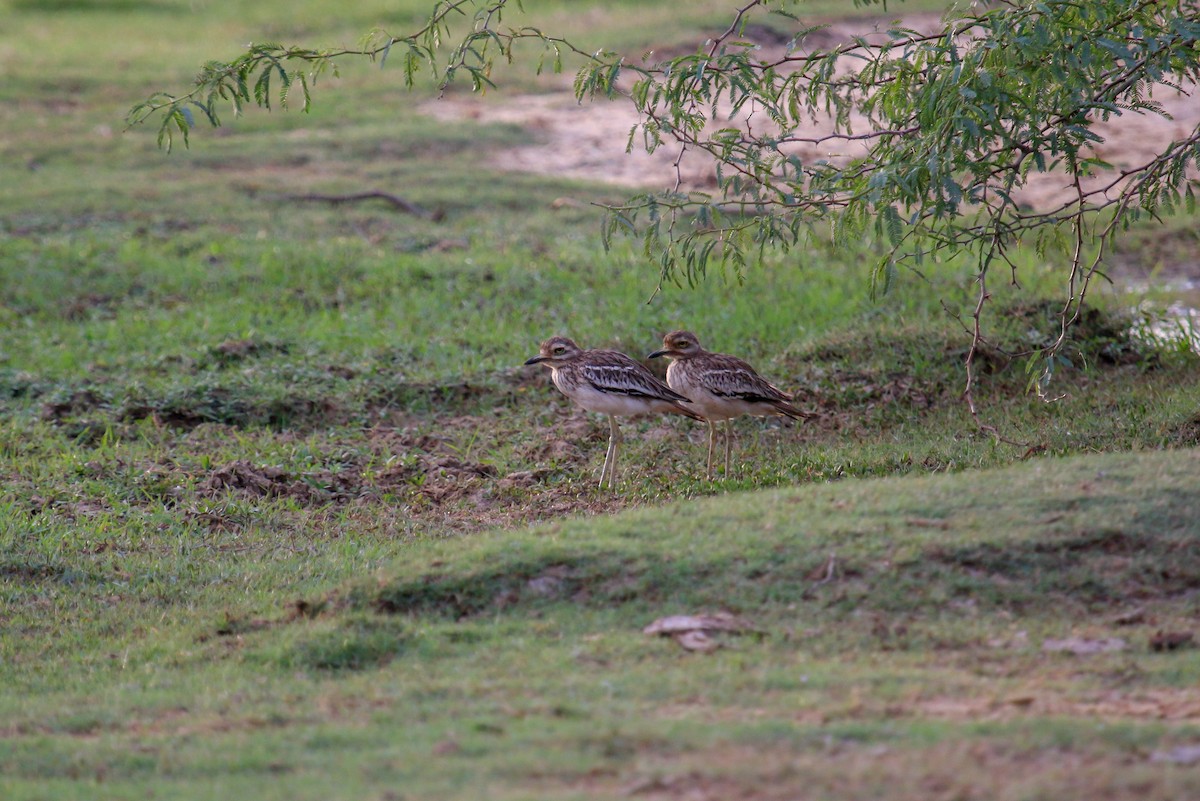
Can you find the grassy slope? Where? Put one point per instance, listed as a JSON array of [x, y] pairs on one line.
[[512, 665], [215, 404]]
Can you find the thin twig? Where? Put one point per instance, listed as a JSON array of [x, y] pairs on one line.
[[397, 202], [830, 570]]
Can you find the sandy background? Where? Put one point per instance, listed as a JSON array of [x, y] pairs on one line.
[[588, 140]]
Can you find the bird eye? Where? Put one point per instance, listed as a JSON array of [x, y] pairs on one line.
[[560, 349]]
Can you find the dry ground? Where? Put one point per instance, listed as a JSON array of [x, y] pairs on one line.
[[587, 140]]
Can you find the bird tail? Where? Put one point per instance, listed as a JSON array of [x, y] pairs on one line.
[[788, 410]]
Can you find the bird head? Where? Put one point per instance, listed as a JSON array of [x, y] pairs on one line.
[[678, 345], [555, 351]]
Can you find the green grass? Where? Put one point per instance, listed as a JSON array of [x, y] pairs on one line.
[[902, 625], [281, 514]]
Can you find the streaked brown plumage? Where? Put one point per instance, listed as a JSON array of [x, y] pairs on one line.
[[721, 386], [611, 383]]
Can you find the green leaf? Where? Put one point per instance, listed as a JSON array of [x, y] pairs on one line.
[[893, 224]]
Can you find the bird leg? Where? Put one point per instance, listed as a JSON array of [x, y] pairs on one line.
[[607, 457], [612, 469], [728, 443], [610, 458], [712, 441]]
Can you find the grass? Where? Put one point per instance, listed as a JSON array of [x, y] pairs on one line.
[[281, 514], [902, 620]]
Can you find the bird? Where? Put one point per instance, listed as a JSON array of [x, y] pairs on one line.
[[721, 386], [611, 383]]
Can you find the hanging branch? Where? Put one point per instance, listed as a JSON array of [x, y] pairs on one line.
[[942, 130]]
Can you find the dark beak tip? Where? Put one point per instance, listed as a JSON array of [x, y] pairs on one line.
[[534, 360], [656, 354]]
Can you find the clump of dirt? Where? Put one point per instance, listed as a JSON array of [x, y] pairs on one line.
[[77, 402], [25, 571], [90, 305], [18, 384], [191, 406], [234, 351], [310, 401], [429, 465], [258, 481], [426, 479], [1185, 434], [433, 465], [859, 392], [407, 394], [358, 643], [559, 442]]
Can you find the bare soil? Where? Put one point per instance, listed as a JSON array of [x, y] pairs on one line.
[[967, 771], [588, 140]]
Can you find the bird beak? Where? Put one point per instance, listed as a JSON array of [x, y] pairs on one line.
[[658, 353], [536, 360]]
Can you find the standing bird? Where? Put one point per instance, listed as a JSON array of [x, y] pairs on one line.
[[611, 383], [722, 387]]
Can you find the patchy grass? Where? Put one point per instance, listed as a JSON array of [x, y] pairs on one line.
[[268, 467], [905, 634]]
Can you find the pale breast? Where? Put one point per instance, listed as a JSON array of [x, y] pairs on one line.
[[620, 403], [687, 382], [722, 387]]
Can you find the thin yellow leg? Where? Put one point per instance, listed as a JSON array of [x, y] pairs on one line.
[[728, 443], [609, 470], [712, 441]]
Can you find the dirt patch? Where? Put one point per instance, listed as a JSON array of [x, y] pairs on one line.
[[436, 476], [88, 305], [588, 140], [459, 597], [233, 351], [25, 572], [1078, 567], [1176, 705], [259, 481], [966, 769], [78, 402], [1185, 434], [424, 477]]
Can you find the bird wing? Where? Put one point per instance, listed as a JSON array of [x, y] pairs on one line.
[[730, 377], [617, 374]]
